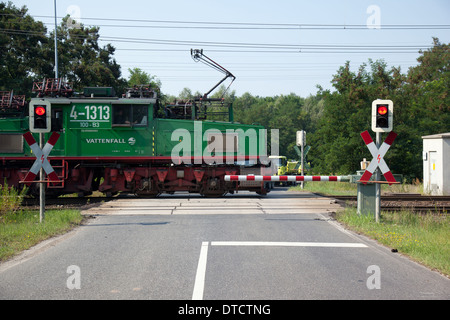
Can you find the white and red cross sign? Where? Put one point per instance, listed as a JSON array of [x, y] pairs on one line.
[[378, 155], [41, 158]]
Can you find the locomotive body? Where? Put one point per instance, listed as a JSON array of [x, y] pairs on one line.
[[134, 145]]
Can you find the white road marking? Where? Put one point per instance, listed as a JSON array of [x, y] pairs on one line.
[[201, 272], [289, 244]]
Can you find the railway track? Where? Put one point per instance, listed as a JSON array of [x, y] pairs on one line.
[[400, 197], [412, 202], [66, 202]]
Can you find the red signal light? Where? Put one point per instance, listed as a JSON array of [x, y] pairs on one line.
[[40, 111], [382, 110], [382, 115], [40, 116]]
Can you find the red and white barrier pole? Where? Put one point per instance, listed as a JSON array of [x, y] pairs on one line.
[[284, 178]]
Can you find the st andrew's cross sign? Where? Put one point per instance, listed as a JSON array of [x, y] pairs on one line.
[[41, 158], [378, 157]]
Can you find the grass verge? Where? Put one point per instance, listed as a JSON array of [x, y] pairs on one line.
[[424, 238], [328, 188], [21, 229], [350, 189]]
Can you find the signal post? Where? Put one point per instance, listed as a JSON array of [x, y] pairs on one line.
[[301, 141], [40, 122], [382, 121]]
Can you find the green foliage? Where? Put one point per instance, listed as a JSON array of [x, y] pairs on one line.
[[285, 112], [421, 107], [27, 53], [347, 112], [81, 59], [138, 77], [10, 200], [22, 41]]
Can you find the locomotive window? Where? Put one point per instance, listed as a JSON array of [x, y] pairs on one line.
[[57, 121], [128, 115], [11, 143], [121, 115], [140, 115]]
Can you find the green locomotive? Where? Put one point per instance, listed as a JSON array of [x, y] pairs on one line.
[[132, 144]]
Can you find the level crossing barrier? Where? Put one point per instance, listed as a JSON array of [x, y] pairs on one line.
[[285, 178]]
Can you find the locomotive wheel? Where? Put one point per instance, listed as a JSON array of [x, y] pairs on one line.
[[213, 188]]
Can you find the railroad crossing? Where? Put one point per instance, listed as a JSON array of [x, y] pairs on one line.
[[241, 203]]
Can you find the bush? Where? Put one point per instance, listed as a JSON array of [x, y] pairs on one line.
[[10, 200]]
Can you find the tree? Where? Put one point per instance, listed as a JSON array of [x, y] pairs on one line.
[[138, 76], [337, 145], [185, 94], [429, 84], [80, 58], [421, 107], [27, 53], [21, 42], [224, 93], [285, 113]]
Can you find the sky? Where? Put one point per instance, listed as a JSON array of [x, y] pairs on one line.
[[271, 47]]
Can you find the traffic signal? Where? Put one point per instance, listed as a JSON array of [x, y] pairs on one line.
[[40, 116], [382, 115]]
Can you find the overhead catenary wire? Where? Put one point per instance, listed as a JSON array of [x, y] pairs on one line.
[[246, 46], [243, 25]]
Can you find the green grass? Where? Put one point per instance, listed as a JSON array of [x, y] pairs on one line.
[[329, 188], [350, 189], [424, 238], [21, 230], [10, 200]]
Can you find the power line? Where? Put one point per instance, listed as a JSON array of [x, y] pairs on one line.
[[245, 25], [246, 46], [271, 46]]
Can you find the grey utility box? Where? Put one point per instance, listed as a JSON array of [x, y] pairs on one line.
[[436, 164], [366, 198]]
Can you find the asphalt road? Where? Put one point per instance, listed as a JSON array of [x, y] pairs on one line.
[[283, 246]]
